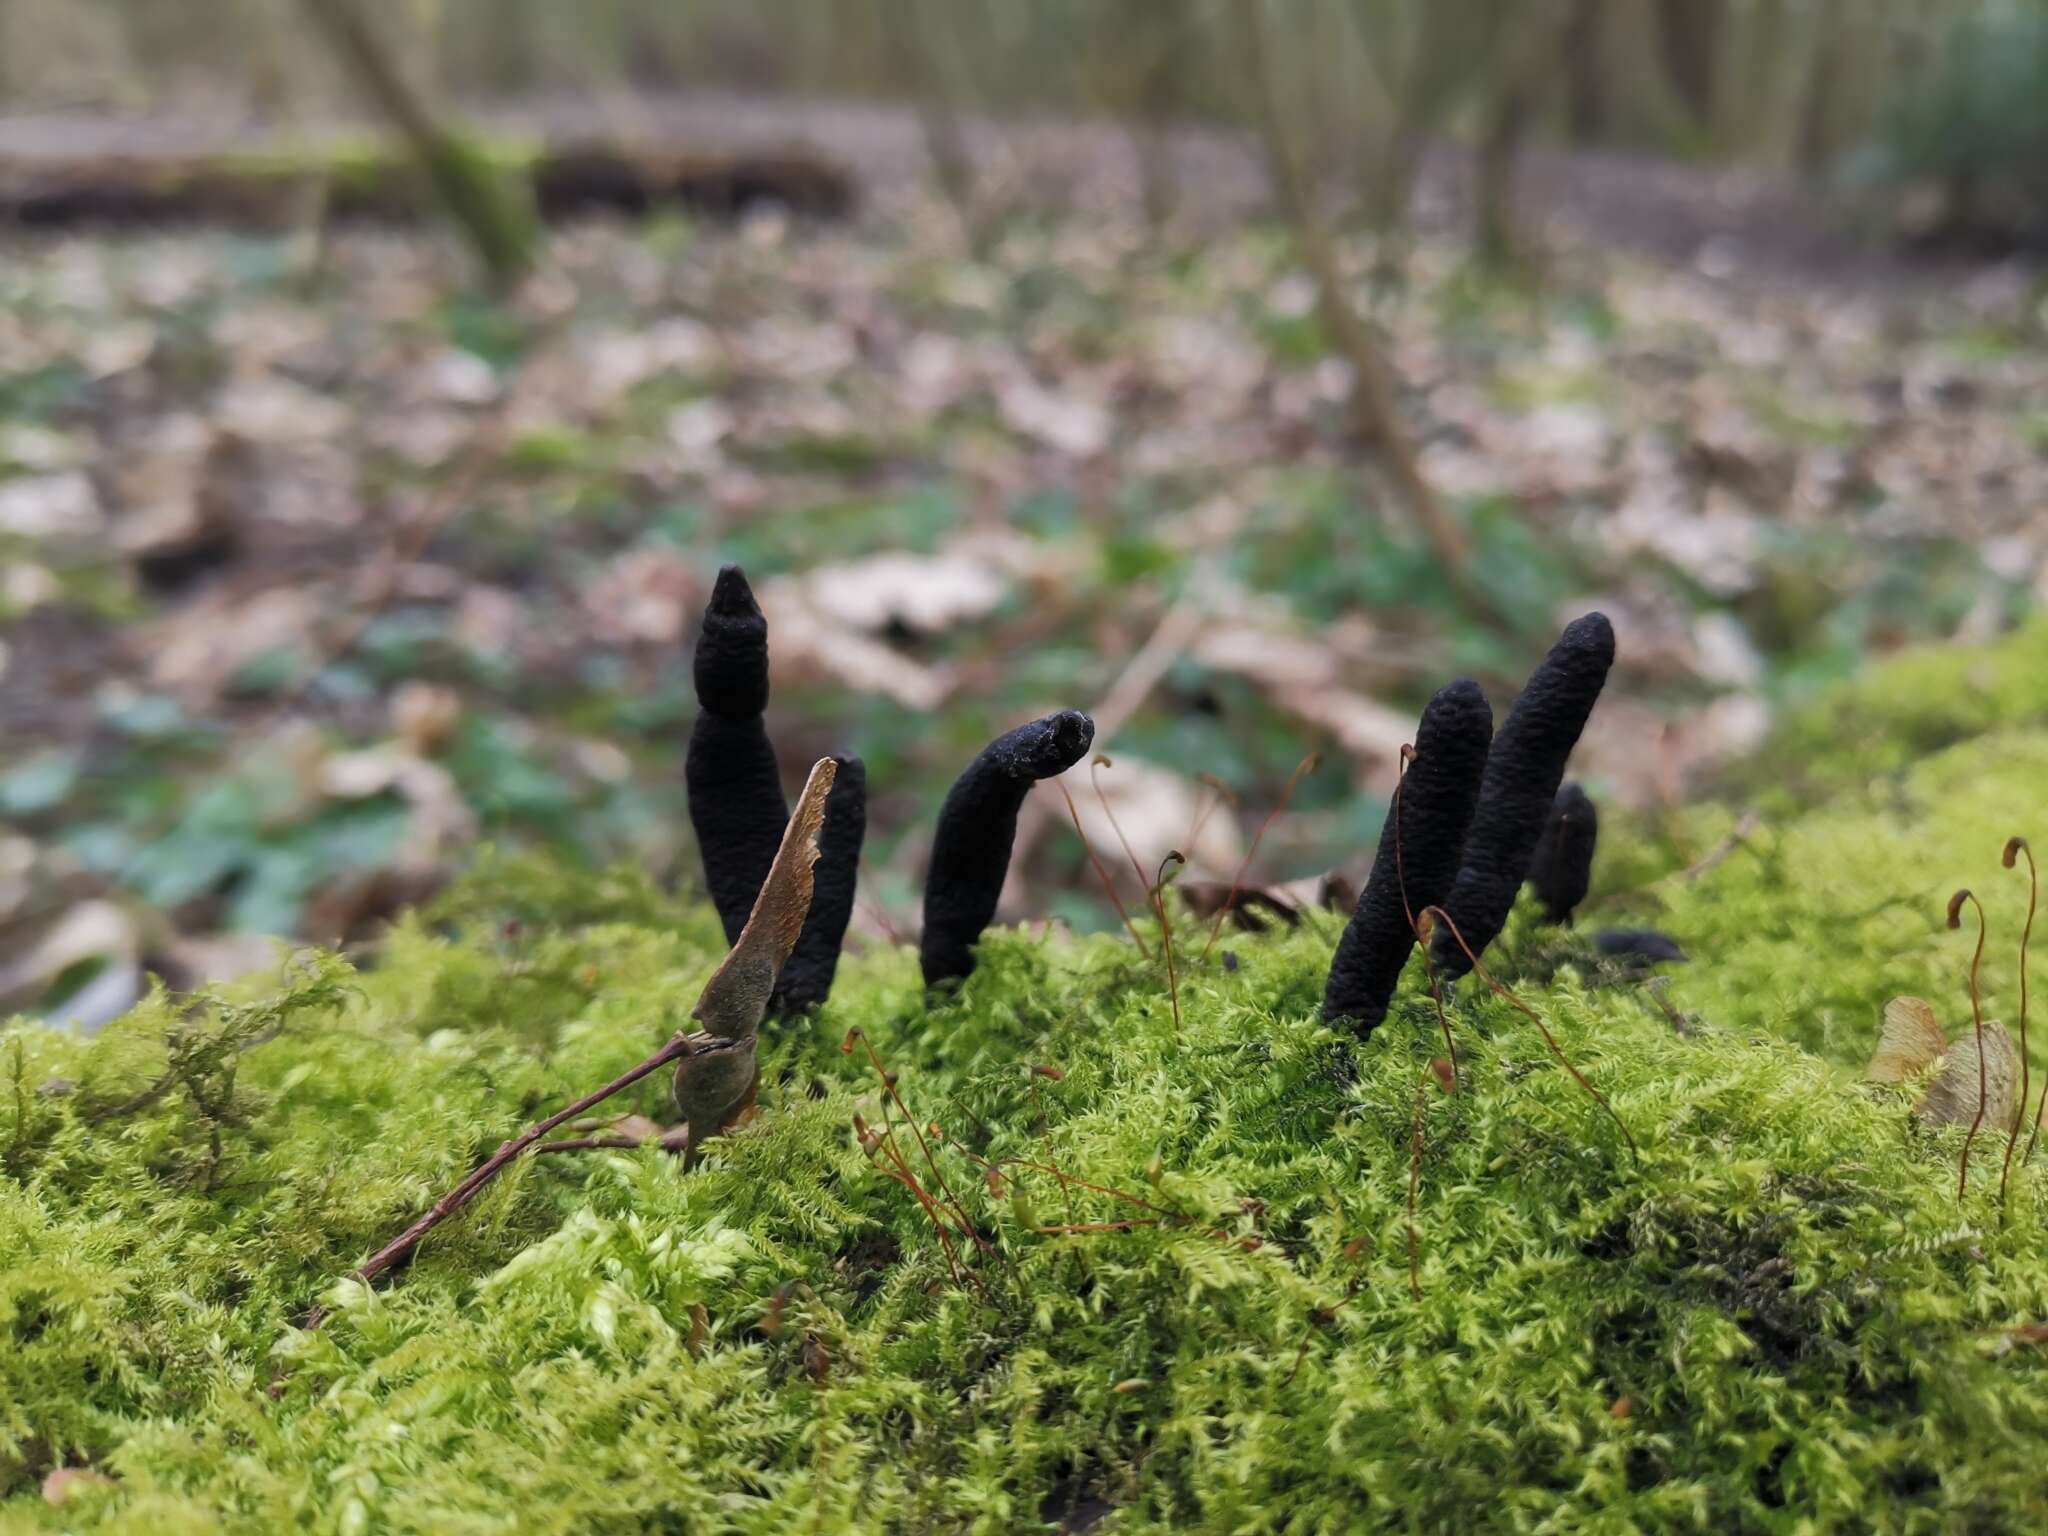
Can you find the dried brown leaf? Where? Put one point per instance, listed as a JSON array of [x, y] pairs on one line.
[[734, 999], [1909, 1041]]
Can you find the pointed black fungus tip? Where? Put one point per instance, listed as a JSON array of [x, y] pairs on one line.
[[731, 597], [1592, 634], [1068, 736], [730, 667], [1456, 708]]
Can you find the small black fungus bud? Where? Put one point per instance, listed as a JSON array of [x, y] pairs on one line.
[[1561, 869], [1645, 944], [735, 789], [807, 976], [1523, 772], [971, 849], [1418, 852]]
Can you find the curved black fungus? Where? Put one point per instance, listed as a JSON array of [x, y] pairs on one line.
[[1561, 869], [1437, 795], [806, 979], [1523, 772], [971, 849], [1637, 944], [735, 789]]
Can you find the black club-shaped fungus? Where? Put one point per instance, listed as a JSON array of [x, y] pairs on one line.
[[807, 976], [1523, 772], [1638, 944], [735, 789], [971, 848], [1434, 807], [1561, 869], [736, 801]]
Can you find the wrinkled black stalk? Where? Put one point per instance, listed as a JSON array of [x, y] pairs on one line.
[[971, 848], [1420, 845]]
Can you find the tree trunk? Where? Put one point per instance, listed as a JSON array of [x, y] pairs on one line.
[[496, 220], [1818, 104], [1590, 109], [1496, 238], [1375, 412], [945, 138], [1690, 34]]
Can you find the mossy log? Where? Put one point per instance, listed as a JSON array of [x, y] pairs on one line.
[[274, 189], [1092, 1259]]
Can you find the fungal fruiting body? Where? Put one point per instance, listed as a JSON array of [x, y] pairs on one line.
[[1523, 772], [978, 822], [735, 789], [736, 803], [1642, 944], [1561, 869], [1420, 845], [807, 977]]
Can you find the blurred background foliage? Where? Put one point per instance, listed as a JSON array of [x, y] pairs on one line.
[[1948, 95], [1238, 369]]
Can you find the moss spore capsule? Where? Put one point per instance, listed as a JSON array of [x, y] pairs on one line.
[[1561, 869], [807, 976], [978, 822], [735, 789], [1523, 772], [1420, 845]]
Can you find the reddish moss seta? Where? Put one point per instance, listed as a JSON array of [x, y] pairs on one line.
[[977, 824], [1523, 772], [1420, 845]]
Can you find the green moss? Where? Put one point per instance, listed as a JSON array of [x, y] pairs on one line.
[[1868, 731], [1779, 1317]]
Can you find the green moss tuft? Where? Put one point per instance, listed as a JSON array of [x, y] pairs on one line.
[[1779, 1318], [1869, 730]]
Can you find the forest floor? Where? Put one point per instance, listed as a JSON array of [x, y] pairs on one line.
[[317, 567]]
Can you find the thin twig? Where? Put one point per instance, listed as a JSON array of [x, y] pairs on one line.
[[590, 1144], [678, 1047]]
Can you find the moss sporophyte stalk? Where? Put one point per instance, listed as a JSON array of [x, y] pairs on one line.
[[1032, 1248]]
